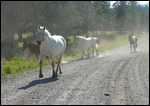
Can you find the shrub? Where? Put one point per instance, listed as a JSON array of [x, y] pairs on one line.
[[111, 35], [7, 70]]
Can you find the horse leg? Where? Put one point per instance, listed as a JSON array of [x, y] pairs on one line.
[[58, 64], [37, 56], [82, 54], [40, 73], [93, 51], [96, 48], [134, 47], [29, 56], [131, 46], [97, 51], [53, 66], [60, 72], [89, 51]]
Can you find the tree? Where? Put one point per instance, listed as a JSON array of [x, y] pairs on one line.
[[12, 18], [144, 18], [121, 14], [84, 7], [103, 16], [132, 16]]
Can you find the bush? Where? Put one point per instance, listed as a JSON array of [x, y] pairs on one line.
[[110, 35], [7, 70]]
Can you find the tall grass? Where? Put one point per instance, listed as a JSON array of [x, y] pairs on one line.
[[16, 64]]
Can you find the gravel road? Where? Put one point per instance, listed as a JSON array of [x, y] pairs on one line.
[[115, 77]]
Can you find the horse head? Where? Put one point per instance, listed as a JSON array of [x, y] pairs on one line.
[[40, 34], [76, 39]]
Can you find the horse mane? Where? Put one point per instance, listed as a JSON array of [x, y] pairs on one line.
[[80, 36], [47, 33], [45, 30]]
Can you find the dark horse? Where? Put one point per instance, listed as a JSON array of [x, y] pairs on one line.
[[133, 41], [33, 48]]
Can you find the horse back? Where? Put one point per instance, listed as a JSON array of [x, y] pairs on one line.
[[56, 45], [132, 39], [86, 43], [59, 39], [34, 48]]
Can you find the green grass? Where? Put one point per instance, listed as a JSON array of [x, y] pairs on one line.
[[16, 64]]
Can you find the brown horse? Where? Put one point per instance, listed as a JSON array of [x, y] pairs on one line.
[[33, 48], [133, 41]]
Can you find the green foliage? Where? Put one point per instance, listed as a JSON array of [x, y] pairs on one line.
[[16, 64], [20, 44], [111, 35], [27, 35], [7, 70], [70, 51], [132, 19], [16, 37]]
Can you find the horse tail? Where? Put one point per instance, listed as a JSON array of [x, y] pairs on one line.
[[97, 46], [136, 42], [64, 42], [136, 45]]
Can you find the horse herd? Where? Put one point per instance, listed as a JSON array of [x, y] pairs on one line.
[[54, 46]]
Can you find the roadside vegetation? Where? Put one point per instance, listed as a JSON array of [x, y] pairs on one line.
[[17, 64]]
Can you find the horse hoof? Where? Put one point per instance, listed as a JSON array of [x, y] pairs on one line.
[[40, 75], [54, 75], [60, 72]]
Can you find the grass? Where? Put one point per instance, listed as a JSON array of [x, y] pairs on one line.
[[17, 64]]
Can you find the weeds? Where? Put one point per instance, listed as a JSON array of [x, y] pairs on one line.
[[17, 64]]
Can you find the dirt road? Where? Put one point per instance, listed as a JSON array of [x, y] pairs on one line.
[[115, 77]]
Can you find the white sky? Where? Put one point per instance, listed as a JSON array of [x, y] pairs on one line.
[[140, 2], [143, 2]]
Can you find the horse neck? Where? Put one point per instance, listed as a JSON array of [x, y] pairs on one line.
[[30, 45], [47, 34], [79, 39], [131, 39]]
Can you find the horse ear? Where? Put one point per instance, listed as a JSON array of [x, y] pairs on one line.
[[38, 27], [44, 27]]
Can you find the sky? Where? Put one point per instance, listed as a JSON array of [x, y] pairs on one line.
[[143, 2], [140, 2]]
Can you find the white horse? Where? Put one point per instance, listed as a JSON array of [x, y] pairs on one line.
[[95, 45], [51, 46], [85, 44]]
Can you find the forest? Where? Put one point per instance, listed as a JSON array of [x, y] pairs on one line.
[[20, 20]]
